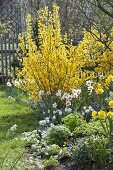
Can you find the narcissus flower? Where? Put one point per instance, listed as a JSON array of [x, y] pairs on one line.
[[111, 103], [110, 114], [94, 114], [102, 115], [99, 91]]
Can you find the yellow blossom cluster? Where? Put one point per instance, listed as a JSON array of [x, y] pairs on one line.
[[53, 65], [98, 88], [97, 56], [109, 79], [102, 115]]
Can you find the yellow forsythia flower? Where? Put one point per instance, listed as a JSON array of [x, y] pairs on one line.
[[94, 114], [102, 115], [99, 91], [109, 79], [111, 103], [110, 114], [53, 65]]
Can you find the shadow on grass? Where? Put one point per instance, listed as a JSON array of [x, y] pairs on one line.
[[25, 122]]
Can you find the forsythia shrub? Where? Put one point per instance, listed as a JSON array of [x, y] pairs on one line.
[[56, 65], [53, 65], [97, 56]]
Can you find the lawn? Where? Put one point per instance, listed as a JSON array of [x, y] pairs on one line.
[[14, 110]]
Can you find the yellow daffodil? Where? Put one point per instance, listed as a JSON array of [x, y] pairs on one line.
[[99, 91], [111, 103], [102, 115], [94, 114], [110, 114]]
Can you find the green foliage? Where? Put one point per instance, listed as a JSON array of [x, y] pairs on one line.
[[51, 150], [57, 134], [88, 129], [93, 151], [72, 121], [100, 150], [81, 155], [51, 162]]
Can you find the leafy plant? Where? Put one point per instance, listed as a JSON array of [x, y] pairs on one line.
[[57, 134], [73, 120], [88, 129], [51, 162], [100, 150], [93, 151], [81, 154]]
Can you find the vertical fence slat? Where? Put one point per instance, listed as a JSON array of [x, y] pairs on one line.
[[13, 55], [9, 55], [5, 58], [2, 60]]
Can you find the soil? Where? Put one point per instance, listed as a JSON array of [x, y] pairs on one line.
[[65, 165]]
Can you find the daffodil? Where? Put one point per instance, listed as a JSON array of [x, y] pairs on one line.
[[111, 103], [99, 91], [110, 114], [94, 114], [102, 115]]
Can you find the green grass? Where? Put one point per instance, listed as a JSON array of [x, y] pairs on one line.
[[14, 111]]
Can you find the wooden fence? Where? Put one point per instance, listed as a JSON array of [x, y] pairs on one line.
[[8, 54]]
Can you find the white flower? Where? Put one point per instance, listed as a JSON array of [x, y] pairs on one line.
[[76, 92], [61, 151], [68, 102], [44, 113], [89, 83], [42, 122], [54, 105], [59, 93], [48, 111], [16, 83], [40, 94], [90, 108], [48, 93], [34, 146], [8, 84], [59, 112], [10, 97], [47, 119], [54, 117], [68, 110], [90, 89], [54, 112], [66, 96], [44, 135], [84, 107], [87, 111], [34, 131], [83, 113], [13, 128]]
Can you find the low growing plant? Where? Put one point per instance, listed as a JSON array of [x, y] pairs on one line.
[[50, 162], [72, 121], [57, 134], [88, 129], [93, 151]]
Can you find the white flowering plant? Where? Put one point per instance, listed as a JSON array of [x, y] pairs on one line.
[[54, 108]]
